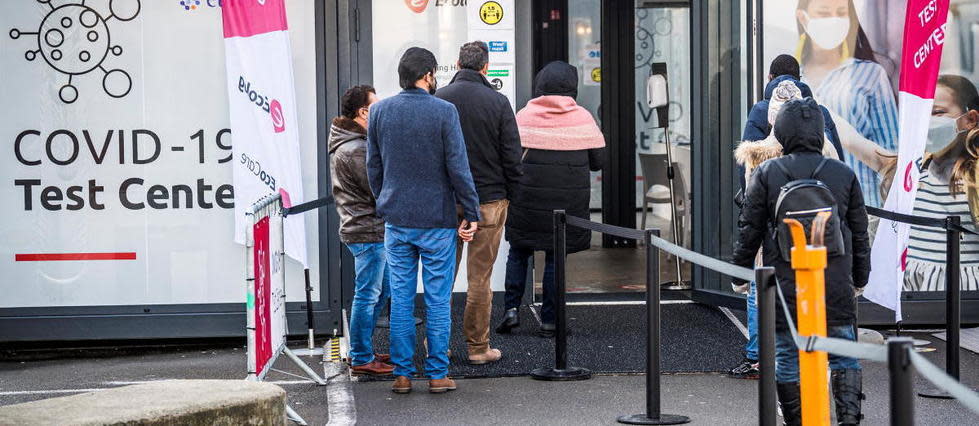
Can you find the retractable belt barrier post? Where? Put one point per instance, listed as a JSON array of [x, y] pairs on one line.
[[652, 416], [767, 397], [953, 304], [899, 356], [901, 375], [953, 293], [561, 371]]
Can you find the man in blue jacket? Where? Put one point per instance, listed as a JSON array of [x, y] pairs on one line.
[[419, 171]]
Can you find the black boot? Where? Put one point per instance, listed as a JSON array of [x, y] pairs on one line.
[[791, 401], [848, 394], [510, 321]]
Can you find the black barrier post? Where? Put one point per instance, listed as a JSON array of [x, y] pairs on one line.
[[901, 375], [652, 416], [765, 297], [953, 305], [309, 310], [561, 371]]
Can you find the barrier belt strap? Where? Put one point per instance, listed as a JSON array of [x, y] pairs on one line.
[[708, 262], [634, 234], [936, 376], [688, 255], [307, 206], [917, 220], [868, 351]]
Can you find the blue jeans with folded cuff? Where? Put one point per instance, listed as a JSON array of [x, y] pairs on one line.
[[370, 266], [751, 348], [435, 248], [787, 353]]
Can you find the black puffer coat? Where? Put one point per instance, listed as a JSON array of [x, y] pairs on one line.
[[552, 180], [799, 128]]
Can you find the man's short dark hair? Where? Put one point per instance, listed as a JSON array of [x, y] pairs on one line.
[[784, 65], [415, 63], [473, 55], [354, 99]]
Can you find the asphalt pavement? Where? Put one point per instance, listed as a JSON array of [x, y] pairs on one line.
[[706, 398]]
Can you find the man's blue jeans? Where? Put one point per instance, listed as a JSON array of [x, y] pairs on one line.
[[787, 353], [751, 348], [370, 267], [436, 248]]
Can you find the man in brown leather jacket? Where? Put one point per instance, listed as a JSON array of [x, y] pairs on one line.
[[361, 230]]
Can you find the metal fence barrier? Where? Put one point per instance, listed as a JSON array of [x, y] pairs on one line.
[[898, 353]]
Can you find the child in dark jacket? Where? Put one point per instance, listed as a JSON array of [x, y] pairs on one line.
[[799, 128]]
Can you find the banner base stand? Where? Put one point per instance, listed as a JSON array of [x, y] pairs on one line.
[[292, 414], [676, 285]]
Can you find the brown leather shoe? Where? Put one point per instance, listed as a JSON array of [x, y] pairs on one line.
[[488, 356], [401, 384], [386, 358], [373, 368], [441, 385]]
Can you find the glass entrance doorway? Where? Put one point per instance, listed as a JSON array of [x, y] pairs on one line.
[[661, 35]]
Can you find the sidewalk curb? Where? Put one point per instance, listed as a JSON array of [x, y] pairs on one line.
[[342, 407]]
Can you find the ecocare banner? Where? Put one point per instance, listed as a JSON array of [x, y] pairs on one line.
[[924, 36], [261, 99]]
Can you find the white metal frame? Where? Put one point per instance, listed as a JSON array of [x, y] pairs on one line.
[[271, 207]]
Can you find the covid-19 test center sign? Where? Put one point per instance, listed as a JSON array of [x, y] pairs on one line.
[[117, 177]]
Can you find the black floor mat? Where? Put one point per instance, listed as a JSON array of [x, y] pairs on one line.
[[603, 338]]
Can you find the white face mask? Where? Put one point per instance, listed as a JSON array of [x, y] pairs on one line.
[[941, 132], [827, 33]]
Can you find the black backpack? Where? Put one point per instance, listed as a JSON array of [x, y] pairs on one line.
[[802, 199]]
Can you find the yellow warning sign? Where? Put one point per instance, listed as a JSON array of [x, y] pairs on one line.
[[491, 13], [596, 74]]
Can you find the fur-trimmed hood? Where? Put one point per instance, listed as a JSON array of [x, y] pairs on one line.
[[751, 154]]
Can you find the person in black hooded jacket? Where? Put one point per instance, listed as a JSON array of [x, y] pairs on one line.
[[799, 128]]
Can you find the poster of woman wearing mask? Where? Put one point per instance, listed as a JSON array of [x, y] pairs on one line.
[[838, 62], [849, 52]]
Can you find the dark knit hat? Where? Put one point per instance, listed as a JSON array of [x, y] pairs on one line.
[[557, 78], [799, 126]]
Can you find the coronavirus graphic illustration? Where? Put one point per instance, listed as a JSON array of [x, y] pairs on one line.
[[74, 40]]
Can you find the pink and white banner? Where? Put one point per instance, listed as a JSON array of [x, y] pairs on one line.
[[261, 99], [924, 35]]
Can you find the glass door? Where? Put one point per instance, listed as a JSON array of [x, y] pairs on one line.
[[662, 39]]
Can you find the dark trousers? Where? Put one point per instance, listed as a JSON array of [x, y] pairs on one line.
[[516, 280]]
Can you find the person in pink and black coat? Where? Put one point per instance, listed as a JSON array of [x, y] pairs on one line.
[[562, 145]]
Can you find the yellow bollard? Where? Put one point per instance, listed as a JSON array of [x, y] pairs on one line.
[[809, 263]]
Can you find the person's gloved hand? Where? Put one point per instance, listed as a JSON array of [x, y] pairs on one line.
[[739, 286]]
